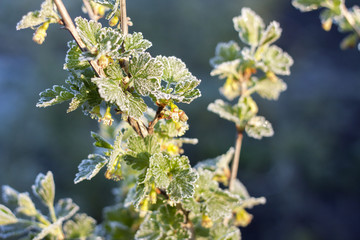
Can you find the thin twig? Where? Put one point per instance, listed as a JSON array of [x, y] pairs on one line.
[[156, 119], [90, 10], [235, 164], [349, 18], [69, 25]]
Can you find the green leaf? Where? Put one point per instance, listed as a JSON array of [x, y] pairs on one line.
[[120, 222], [65, 208], [135, 43], [250, 27], [258, 127], [88, 31], [100, 141], [227, 69], [271, 34], [26, 205], [159, 170], [114, 165], [166, 223], [225, 110], [115, 72], [44, 188], [277, 60], [73, 58], [6, 216], [270, 88], [163, 167], [308, 5], [182, 185], [223, 232], [225, 52], [180, 83], [109, 42], [33, 19], [220, 204], [15, 230], [146, 73], [9, 195], [89, 167], [81, 227], [57, 94], [111, 92], [114, 5], [218, 164], [141, 150]]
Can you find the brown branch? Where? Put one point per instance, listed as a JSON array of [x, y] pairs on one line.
[[90, 10], [235, 163], [69, 25], [124, 20], [156, 119]]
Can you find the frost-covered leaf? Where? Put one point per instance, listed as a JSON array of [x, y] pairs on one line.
[[182, 185], [162, 167], [141, 149], [114, 165], [250, 27], [88, 31], [220, 204], [277, 60], [15, 229], [81, 227], [111, 91], [9, 195], [240, 190], [89, 167], [44, 188], [135, 43], [258, 127], [115, 72], [308, 5], [271, 34], [227, 69], [146, 73], [270, 88], [172, 129], [222, 232], [33, 19], [26, 205], [225, 110], [65, 208], [6, 216], [166, 223], [55, 95], [73, 55], [180, 84], [225, 52], [100, 141], [109, 42], [217, 163]]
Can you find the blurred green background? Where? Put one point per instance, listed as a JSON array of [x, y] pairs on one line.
[[309, 171]]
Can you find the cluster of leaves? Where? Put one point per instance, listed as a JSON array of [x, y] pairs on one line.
[[254, 68], [335, 12], [29, 222], [160, 195]]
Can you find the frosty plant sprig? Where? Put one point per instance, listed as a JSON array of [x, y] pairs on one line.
[[253, 68], [160, 195], [335, 12]]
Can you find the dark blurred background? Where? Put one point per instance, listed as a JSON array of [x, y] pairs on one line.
[[309, 171]]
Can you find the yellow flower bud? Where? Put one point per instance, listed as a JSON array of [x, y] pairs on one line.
[[103, 61], [242, 218], [153, 194], [326, 25], [107, 119], [206, 221], [40, 33], [144, 207], [114, 21]]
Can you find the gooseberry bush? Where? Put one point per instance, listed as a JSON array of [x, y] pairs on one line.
[[160, 195]]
